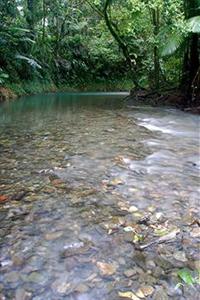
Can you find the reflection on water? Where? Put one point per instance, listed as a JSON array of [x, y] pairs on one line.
[[87, 181], [62, 102]]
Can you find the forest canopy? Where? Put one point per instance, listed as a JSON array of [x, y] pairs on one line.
[[148, 43]]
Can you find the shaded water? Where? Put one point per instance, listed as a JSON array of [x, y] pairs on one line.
[[88, 182]]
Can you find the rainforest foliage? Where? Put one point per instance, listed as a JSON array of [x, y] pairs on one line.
[[151, 43]]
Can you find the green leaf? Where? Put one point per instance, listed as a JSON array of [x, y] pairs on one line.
[[29, 60], [172, 44], [20, 29], [26, 39], [194, 24], [186, 276], [4, 75]]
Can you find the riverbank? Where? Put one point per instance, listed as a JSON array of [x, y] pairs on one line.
[[166, 97], [14, 90]]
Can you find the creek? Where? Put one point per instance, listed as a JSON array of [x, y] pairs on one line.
[[97, 199]]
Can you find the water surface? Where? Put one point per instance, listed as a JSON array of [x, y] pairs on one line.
[[89, 181]]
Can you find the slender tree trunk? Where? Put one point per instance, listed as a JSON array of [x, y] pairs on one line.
[[156, 23], [191, 65], [119, 40], [43, 20], [57, 44], [191, 68], [194, 58], [31, 16]]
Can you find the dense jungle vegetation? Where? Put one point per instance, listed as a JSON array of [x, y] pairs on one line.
[[117, 44]]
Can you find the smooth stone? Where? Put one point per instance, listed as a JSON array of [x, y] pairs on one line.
[[12, 277], [148, 279], [158, 272], [53, 235], [82, 288], [17, 260], [195, 233], [36, 277], [197, 264], [147, 290], [129, 236], [164, 263], [130, 272], [180, 256], [157, 217], [150, 264], [137, 215], [174, 292], [133, 209], [61, 287], [122, 261], [160, 294], [139, 271], [21, 294], [106, 269], [151, 209]]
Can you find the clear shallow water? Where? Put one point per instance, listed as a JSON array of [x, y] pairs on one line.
[[71, 166]]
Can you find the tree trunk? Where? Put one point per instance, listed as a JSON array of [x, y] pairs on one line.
[[156, 21], [119, 40], [31, 16], [43, 20], [190, 79]]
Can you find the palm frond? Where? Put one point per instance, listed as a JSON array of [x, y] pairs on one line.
[[29, 60], [171, 45], [26, 39], [194, 24]]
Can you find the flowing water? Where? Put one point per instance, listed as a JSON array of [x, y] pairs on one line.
[[97, 199]]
